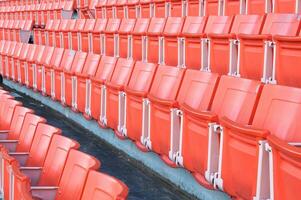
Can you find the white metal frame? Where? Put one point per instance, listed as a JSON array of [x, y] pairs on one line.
[[34, 76], [18, 69], [122, 113], [176, 131], [79, 41], [90, 42], [13, 68], [88, 97], [205, 46], [144, 48], [103, 106], [181, 52], [26, 73], [63, 99], [116, 45], [145, 136], [130, 47], [234, 57], [74, 92], [161, 56], [52, 89], [268, 62]]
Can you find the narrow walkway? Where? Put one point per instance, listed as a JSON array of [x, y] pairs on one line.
[[143, 184]]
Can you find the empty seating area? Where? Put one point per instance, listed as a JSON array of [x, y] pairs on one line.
[[213, 87]]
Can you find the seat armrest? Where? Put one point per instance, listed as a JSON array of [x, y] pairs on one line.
[[33, 173], [20, 156], [244, 129], [44, 192], [171, 103], [204, 115]]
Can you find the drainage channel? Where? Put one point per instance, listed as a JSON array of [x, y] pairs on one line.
[[143, 183]]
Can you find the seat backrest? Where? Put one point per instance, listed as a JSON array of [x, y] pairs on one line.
[[103, 186], [126, 26], [56, 58], [112, 25], [122, 72], [31, 52], [141, 26], [21, 185], [247, 24], [236, 99], [28, 130], [55, 160], [40, 144], [47, 55], [79, 25], [198, 89], [156, 26], [219, 24], [63, 25], [55, 25], [91, 64], [17, 122], [105, 68], [48, 25], [6, 47], [24, 51], [7, 112], [100, 25], [89, 25], [173, 26], [18, 50], [11, 48], [3, 97], [37, 57], [67, 59], [194, 25], [78, 62], [279, 111], [281, 24], [167, 82], [75, 174], [28, 25], [142, 77]]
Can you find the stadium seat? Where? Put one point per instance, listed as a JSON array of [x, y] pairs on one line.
[[137, 89], [82, 81], [7, 109], [167, 78], [53, 32], [4, 52], [133, 9], [147, 9], [110, 9], [48, 75], [233, 7], [124, 47], [172, 30], [101, 9], [32, 65], [57, 88], [286, 59], [46, 32], [154, 38], [224, 47], [21, 186], [111, 37], [235, 98], [49, 174], [9, 63], [193, 29], [25, 64], [102, 186], [86, 35], [176, 8], [64, 42], [68, 89], [98, 37], [161, 9], [96, 102], [114, 88], [252, 154], [14, 60], [75, 34], [254, 46], [73, 179], [139, 39], [67, 35], [212, 7], [121, 9], [285, 6], [39, 73], [21, 62]]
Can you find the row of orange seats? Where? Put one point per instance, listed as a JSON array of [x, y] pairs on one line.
[[40, 12], [223, 129], [220, 44], [181, 8], [16, 30], [37, 162], [21, 2]]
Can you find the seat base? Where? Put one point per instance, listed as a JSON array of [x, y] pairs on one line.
[[141, 147], [169, 162], [120, 135], [201, 180], [102, 125], [87, 117]]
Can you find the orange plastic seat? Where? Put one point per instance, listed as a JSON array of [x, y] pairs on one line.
[[212, 7], [14, 60], [73, 179], [64, 41], [75, 34], [124, 38], [48, 80], [32, 65], [21, 62], [172, 30], [253, 46], [7, 108], [138, 38], [176, 8], [44, 60], [136, 90], [162, 97], [8, 59], [25, 64], [21, 186], [89, 70], [221, 44], [110, 9], [69, 78], [120, 9], [133, 9], [284, 6], [101, 9], [154, 32], [86, 35], [235, 98], [104, 72], [160, 9], [251, 139], [52, 33], [114, 86], [59, 82], [110, 37], [97, 36], [232, 7], [147, 9], [103, 186], [193, 29], [67, 35], [4, 52], [194, 8]]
